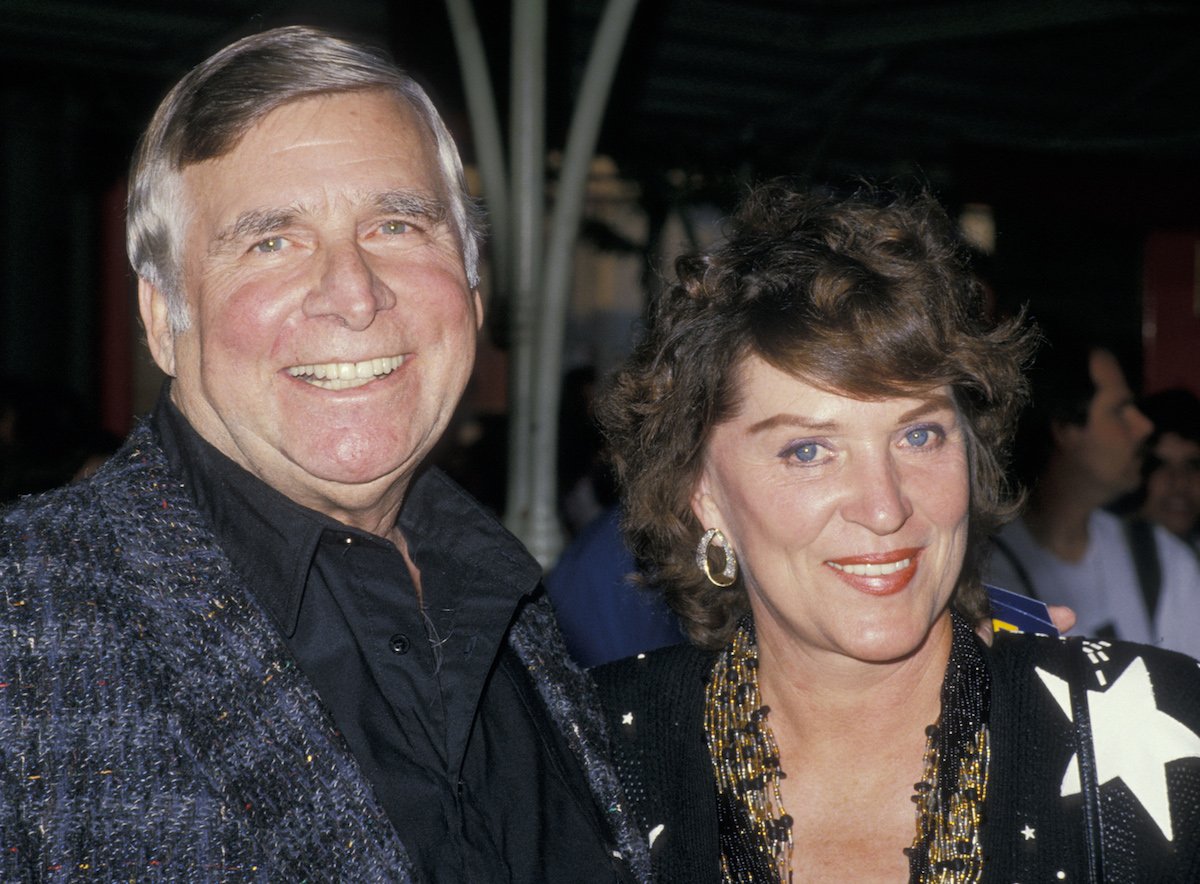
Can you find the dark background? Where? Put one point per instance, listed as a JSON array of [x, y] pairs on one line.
[[1076, 120]]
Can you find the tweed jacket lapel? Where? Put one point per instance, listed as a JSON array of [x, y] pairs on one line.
[[247, 717], [571, 699]]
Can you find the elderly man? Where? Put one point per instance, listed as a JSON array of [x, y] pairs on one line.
[[264, 642]]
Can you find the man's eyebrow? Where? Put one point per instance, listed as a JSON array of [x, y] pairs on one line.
[[256, 223], [407, 202]]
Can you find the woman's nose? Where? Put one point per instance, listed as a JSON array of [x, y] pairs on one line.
[[876, 497]]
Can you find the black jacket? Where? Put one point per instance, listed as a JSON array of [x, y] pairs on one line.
[[154, 726], [1145, 713]]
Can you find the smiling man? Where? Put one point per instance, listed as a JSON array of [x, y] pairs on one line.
[[264, 641]]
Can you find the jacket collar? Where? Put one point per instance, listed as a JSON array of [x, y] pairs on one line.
[[246, 716]]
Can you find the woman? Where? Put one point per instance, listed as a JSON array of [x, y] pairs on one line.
[[812, 439]]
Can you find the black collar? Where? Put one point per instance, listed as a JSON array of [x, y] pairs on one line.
[[271, 540]]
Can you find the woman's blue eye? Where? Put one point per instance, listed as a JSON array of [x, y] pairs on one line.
[[918, 438], [806, 453], [394, 228], [272, 244]]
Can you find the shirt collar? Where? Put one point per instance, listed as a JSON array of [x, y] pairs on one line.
[[271, 540]]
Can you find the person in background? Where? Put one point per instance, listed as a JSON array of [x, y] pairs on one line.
[[602, 607], [264, 641], [1080, 446], [811, 442], [1171, 472]]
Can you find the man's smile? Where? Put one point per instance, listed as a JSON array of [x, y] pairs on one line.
[[344, 375]]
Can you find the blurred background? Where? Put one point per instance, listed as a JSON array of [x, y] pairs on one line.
[[1065, 135]]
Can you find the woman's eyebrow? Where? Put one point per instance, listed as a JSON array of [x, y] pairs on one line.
[[928, 406], [938, 402], [793, 420]]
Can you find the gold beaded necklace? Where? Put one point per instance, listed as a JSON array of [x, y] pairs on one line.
[[744, 755], [746, 763]]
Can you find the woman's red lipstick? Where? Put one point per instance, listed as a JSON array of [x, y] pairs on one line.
[[878, 573]]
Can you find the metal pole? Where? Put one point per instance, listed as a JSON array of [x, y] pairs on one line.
[[485, 130], [545, 538], [528, 140]]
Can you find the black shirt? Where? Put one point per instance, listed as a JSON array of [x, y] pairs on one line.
[[436, 709]]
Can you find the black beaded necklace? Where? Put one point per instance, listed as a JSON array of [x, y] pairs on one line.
[[755, 828]]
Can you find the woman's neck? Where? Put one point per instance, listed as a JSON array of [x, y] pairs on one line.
[[822, 700], [851, 737]]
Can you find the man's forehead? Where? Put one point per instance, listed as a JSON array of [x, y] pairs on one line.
[[292, 146], [306, 119], [1107, 375]]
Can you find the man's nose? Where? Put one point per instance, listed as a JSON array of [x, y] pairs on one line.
[[876, 496], [347, 289], [1140, 425]]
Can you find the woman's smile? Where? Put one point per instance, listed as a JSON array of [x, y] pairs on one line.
[[878, 573], [848, 516]]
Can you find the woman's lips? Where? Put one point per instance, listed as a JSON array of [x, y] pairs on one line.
[[878, 573]]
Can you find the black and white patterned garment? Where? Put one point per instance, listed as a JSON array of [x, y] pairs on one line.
[[1144, 709]]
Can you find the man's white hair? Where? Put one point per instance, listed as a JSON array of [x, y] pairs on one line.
[[207, 112]]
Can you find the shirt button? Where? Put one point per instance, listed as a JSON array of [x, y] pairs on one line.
[[399, 643]]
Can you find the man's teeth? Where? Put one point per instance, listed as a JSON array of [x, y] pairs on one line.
[[343, 375], [881, 570]]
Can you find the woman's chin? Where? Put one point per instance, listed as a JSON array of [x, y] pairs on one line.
[[890, 641]]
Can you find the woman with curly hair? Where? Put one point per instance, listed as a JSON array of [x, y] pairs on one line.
[[812, 441]]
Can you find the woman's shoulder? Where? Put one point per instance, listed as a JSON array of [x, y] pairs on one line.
[[1142, 721], [676, 673], [1098, 657], [1121, 678], [654, 703], [656, 699]]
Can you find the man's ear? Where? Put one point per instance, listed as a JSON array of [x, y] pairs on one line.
[[152, 303], [478, 302], [1065, 434]]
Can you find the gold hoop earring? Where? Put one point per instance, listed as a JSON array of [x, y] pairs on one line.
[[728, 574]]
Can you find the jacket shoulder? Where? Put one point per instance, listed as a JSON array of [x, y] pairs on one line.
[[656, 678], [1099, 661], [1143, 706], [655, 708]]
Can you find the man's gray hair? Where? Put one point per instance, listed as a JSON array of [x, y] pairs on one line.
[[207, 112]]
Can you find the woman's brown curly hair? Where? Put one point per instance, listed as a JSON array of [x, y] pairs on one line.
[[866, 296]]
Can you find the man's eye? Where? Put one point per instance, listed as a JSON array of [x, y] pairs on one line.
[[270, 244], [393, 228]]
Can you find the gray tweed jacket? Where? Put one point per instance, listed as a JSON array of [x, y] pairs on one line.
[[153, 725]]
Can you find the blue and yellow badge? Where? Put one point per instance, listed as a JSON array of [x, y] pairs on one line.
[[1013, 612]]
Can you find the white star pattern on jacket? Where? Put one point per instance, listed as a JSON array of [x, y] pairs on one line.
[[1138, 755]]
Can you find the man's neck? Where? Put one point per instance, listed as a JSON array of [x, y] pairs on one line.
[[1058, 512]]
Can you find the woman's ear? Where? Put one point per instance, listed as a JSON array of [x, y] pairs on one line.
[[704, 505], [152, 303]]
